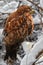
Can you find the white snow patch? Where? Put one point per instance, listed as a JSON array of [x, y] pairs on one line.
[[32, 55], [10, 7], [41, 3], [27, 46], [36, 19]]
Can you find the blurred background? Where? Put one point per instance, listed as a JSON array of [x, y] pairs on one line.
[[6, 8]]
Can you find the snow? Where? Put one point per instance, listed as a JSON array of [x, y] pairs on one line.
[[26, 3], [41, 3], [12, 4], [27, 46], [11, 10], [38, 47], [1, 36], [42, 19], [1, 30], [2, 62], [31, 53], [1, 3], [40, 60], [36, 19], [40, 64], [10, 7]]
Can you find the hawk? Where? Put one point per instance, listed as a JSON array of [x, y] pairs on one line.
[[18, 25]]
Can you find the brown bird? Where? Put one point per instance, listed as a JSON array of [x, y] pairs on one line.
[[18, 25]]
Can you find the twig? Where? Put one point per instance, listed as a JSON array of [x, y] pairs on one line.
[[35, 5], [39, 62], [5, 13]]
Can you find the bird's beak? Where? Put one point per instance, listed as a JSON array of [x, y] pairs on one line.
[[32, 12]]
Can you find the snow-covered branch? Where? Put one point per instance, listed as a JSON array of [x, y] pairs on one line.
[[34, 54], [36, 5]]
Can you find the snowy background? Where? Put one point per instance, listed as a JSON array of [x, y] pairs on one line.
[[27, 54]]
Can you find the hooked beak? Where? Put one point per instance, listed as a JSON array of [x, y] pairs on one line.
[[32, 11]]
